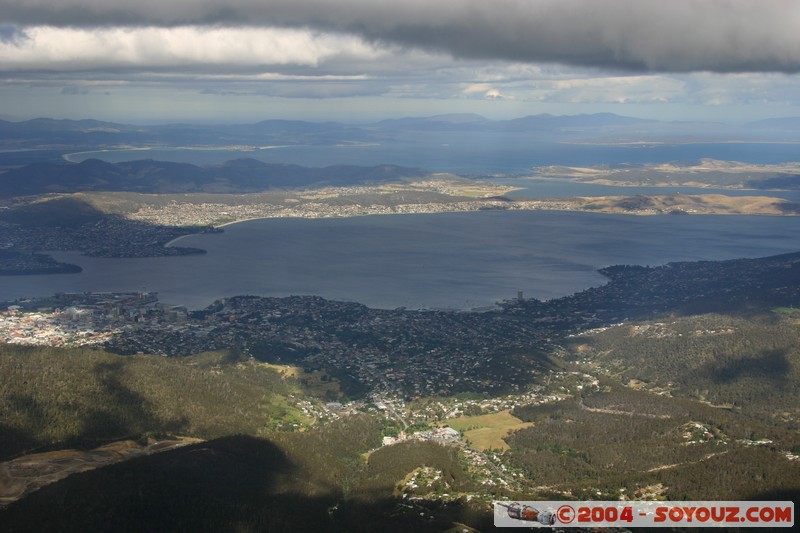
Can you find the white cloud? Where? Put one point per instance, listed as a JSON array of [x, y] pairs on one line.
[[484, 90], [53, 48], [614, 89]]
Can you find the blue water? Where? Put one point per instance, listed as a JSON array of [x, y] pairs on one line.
[[564, 188], [453, 260], [472, 154]]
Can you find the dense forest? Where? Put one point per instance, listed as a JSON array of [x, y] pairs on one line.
[[620, 441], [750, 362], [81, 397]]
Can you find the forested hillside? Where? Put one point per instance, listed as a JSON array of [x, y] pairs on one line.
[[81, 397], [749, 362]]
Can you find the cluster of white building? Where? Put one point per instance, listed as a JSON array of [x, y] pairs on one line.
[[57, 328], [443, 435]]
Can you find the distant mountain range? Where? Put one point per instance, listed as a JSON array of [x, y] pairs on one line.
[[50, 133], [41, 143], [148, 176], [450, 121], [75, 134], [786, 123]]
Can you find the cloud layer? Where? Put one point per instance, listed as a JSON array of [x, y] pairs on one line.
[[68, 48], [195, 58], [637, 35]]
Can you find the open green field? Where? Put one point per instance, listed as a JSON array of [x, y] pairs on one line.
[[487, 431]]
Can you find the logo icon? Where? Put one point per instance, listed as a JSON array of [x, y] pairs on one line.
[[565, 514]]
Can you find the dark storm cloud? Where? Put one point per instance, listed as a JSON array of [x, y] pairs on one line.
[[644, 35]]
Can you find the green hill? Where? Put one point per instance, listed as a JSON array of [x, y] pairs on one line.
[[617, 442], [161, 177], [750, 362], [52, 397]]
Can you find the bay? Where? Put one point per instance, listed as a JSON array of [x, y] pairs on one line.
[[469, 154], [531, 188], [449, 260]]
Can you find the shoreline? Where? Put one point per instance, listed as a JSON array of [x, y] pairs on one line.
[[676, 204], [176, 239], [247, 149], [67, 157]]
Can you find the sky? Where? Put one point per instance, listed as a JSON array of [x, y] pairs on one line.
[[234, 61]]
